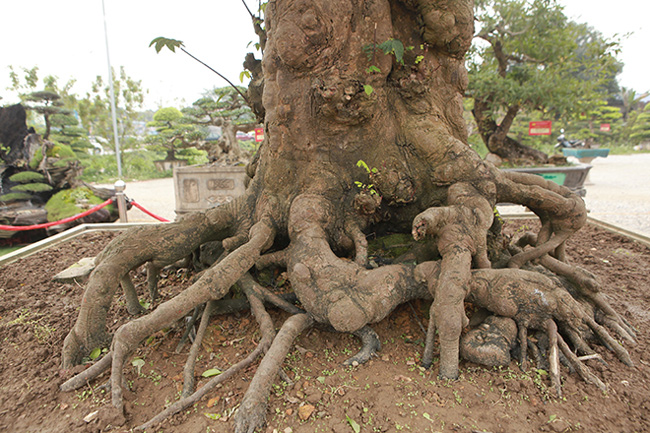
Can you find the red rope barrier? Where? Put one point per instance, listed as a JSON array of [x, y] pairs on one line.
[[133, 202], [54, 223]]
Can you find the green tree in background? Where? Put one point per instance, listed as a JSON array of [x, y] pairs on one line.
[[224, 108], [55, 103], [95, 109], [47, 104], [528, 56], [174, 132], [640, 130]]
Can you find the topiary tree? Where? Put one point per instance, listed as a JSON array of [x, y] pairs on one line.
[[68, 131], [309, 205], [174, 132], [227, 109], [47, 104]]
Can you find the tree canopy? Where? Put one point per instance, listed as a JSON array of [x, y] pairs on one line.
[[174, 132], [528, 56]]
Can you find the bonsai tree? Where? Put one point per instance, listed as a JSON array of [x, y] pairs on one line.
[[227, 109], [48, 104], [310, 203], [174, 132], [68, 131], [530, 57]]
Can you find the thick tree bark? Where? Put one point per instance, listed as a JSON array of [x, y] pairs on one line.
[[309, 203]]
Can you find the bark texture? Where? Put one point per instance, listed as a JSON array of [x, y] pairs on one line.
[[309, 205]]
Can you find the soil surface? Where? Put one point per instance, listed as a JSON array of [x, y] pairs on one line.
[[391, 393]]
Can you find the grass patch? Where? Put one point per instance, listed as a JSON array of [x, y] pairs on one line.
[[7, 250]]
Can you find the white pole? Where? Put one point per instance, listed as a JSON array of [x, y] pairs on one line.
[[112, 90]]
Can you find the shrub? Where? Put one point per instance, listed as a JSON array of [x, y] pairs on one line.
[[66, 203], [15, 196], [27, 176], [60, 151], [32, 187]]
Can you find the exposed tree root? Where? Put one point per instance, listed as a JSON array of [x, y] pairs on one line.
[[460, 229], [268, 333], [213, 284], [560, 211], [370, 345], [132, 302], [252, 412], [190, 332], [533, 301], [188, 369], [309, 209], [88, 374], [161, 245]]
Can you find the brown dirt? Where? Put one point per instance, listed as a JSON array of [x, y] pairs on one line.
[[389, 394]]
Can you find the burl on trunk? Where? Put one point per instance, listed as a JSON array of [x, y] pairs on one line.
[[379, 82]]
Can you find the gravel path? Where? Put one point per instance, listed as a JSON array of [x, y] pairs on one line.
[[618, 192]]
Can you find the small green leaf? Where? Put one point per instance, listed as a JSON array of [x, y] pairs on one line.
[[243, 74], [356, 427], [372, 68], [368, 89], [161, 42], [542, 372], [552, 418], [214, 416], [362, 164], [427, 416], [95, 353], [321, 379], [398, 50], [138, 363], [211, 372], [418, 59]]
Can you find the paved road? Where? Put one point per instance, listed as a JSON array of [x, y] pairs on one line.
[[618, 192]]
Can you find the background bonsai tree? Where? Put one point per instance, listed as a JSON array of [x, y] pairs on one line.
[[174, 132], [529, 57], [226, 109], [46, 103], [327, 106]]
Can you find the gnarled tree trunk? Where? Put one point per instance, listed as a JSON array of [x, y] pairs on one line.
[[309, 204]]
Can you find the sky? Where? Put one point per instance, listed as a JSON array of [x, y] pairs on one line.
[[65, 38]]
